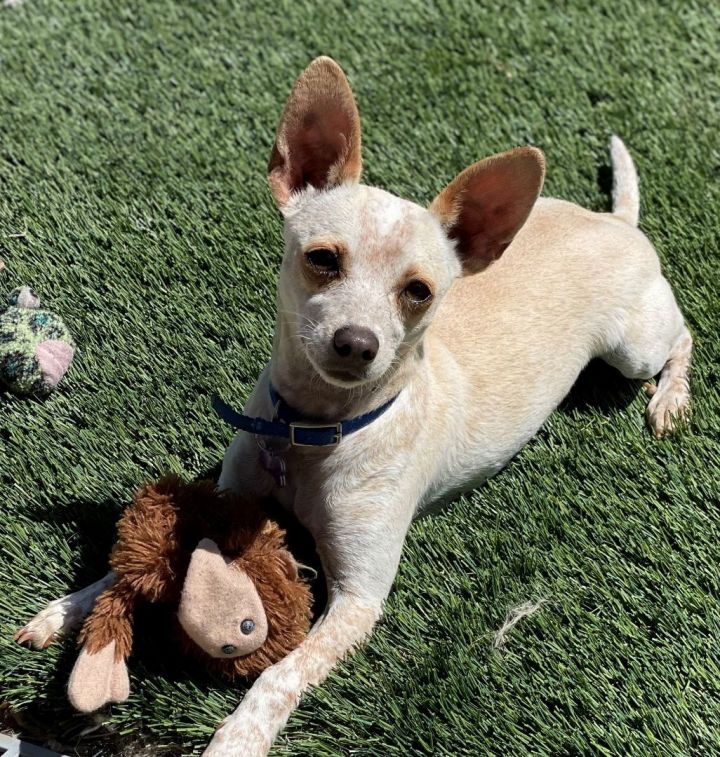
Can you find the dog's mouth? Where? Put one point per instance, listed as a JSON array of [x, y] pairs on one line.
[[345, 379], [333, 371]]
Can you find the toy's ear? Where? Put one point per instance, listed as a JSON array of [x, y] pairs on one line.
[[24, 297], [318, 139], [54, 358], [484, 207], [98, 678], [220, 608]]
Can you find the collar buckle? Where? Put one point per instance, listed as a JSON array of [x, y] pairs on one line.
[[336, 439]]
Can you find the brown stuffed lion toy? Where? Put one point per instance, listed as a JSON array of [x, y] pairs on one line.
[[242, 605]]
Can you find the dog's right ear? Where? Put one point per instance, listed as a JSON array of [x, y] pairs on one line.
[[318, 139]]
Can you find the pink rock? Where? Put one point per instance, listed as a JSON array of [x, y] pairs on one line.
[[54, 358]]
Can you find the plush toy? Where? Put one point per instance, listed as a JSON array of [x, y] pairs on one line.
[[241, 603], [36, 348]]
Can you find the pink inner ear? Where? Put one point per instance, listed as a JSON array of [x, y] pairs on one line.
[[317, 147], [493, 208], [54, 358], [485, 206], [486, 223], [318, 140]]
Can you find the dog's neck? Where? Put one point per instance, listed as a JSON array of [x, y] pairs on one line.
[[300, 385]]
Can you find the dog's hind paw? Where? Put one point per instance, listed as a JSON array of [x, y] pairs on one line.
[[62, 615], [669, 408], [44, 628]]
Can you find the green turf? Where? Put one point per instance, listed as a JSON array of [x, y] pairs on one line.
[[133, 143]]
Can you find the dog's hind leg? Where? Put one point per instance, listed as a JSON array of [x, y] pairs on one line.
[[62, 615], [657, 341], [670, 399]]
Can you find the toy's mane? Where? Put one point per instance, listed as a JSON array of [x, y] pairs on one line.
[[156, 538]]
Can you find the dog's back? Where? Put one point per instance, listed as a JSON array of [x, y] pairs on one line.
[[509, 344]]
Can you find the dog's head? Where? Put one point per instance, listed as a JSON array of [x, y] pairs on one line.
[[364, 271]]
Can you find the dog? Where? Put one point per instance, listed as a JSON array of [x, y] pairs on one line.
[[442, 337]]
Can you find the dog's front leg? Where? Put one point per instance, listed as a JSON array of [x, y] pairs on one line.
[[360, 542], [251, 729]]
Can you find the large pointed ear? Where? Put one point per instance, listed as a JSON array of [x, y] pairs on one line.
[[485, 206], [318, 139]]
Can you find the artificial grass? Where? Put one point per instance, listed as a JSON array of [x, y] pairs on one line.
[[133, 144]]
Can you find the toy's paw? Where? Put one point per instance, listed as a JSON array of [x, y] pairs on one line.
[[54, 358], [98, 678]]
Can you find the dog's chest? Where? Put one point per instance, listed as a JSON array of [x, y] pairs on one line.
[[312, 482]]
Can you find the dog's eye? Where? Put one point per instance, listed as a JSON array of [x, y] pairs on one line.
[[417, 292], [324, 261]]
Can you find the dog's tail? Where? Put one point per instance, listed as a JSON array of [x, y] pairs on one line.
[[625, 192]]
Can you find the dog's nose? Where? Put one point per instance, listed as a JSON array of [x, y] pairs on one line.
[[356, 342]]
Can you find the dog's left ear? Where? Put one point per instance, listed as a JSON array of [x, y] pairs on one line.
[[485, 206], [318, 139]]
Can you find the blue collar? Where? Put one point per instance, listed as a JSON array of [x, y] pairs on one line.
[[287, 423]]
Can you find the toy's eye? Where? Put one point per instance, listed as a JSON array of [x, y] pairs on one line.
[[417, 292], [323, 261], [228, 649], [247, 626]]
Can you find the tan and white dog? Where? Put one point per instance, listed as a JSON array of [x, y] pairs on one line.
[[477, 313]]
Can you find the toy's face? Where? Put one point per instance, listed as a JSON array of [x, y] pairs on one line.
[[220, 609]]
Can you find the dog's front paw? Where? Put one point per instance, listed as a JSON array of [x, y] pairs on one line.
[[62, 615], [669, 408]]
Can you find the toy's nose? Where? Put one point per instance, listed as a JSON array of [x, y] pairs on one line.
[[356, 343], [229, 649]]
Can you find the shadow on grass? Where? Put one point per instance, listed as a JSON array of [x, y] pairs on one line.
[[605, 183], [601, 387], [50, 719]]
